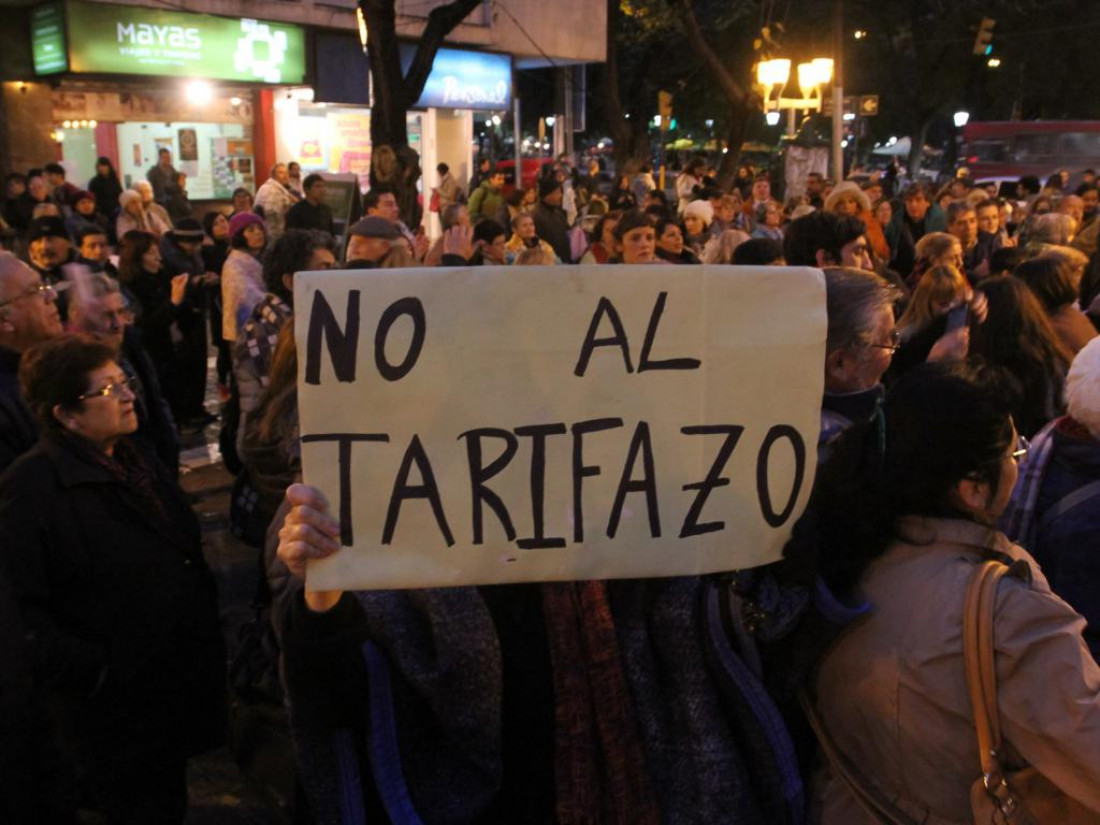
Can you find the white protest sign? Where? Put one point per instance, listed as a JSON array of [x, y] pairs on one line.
[[504, 424]]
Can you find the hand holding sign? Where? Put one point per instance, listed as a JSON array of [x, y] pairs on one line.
[[485, 425], [308, 532]]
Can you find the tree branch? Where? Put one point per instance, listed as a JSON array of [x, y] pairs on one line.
[[441, 21], [718, 72]]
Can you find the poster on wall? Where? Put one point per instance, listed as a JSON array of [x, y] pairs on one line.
[[350, 151], [189, 144], [232, 166], [309, 148]]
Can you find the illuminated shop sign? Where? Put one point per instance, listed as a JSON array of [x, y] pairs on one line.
[[113, 39], [465, 80]]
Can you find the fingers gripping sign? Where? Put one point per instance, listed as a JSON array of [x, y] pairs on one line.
[[309, 532]]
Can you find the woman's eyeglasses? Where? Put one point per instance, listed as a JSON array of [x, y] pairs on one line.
[[1023, 446], [112, 390]]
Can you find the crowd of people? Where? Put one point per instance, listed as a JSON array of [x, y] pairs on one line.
[[961, 326]]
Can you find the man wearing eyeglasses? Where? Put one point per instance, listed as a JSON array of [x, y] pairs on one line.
[[28, 315]]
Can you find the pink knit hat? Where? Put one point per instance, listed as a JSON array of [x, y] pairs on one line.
[[242, 220]]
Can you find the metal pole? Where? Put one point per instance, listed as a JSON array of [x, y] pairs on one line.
[[790, 121], [838, 90], [518, 148]]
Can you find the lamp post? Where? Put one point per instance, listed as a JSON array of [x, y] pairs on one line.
[[773, 76]]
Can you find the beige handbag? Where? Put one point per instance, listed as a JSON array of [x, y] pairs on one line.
[[1023, 797]]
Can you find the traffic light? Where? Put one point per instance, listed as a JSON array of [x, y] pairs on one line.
[[664, 109], [983, 43]]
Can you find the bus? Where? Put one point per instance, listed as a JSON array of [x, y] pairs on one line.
[[1012, 149]]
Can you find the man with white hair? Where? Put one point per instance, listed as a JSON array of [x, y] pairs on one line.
[[28, 315], [274, 199]]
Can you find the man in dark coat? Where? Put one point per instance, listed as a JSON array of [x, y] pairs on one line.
[[551, 222], [181, 252], [916, 218], [312, 212], [28, 315]]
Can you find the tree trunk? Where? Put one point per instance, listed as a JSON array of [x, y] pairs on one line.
[[394, 91], [735, 137], [628, 146], [742, 103], [916, 147]]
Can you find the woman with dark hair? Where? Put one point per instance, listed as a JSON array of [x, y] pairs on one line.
[[104, 556], [161, 305], [242, 274], [1025, 354], [106, 187], [904, 535], [602, 247], [670, 243], [635, 239], [1053, 283], [215, 249], [296, 250]]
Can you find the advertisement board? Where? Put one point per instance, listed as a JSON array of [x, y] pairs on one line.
[[464, 80], [116, 39], [48, 39]]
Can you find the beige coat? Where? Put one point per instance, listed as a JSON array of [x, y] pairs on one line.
[[892, 692]]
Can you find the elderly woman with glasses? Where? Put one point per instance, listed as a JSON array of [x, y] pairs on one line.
[[104, 557]]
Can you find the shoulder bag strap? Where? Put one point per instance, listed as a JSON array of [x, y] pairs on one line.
[[981, 675]]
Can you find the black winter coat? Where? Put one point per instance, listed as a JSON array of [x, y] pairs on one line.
[[552, 225], [18, 427], [119, 606]]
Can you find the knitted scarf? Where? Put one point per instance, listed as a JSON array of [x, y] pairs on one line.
[[599, 760]]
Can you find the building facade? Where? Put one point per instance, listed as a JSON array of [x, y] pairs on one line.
[[231, 86]]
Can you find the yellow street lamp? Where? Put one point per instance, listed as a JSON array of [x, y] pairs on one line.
[[773, 72]]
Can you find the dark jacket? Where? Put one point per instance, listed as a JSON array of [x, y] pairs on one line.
[[156, 425], [156, 313], [1067, 540], [304, 215], [18, 427], [119, 605], [164, 183], [106, 191], [552, 225], [902, 233]]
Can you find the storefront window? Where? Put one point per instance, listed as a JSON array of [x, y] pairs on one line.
[[216, 157], [336, 138]]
